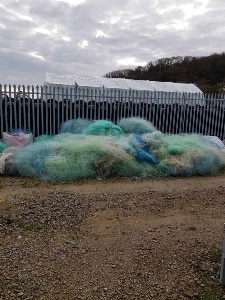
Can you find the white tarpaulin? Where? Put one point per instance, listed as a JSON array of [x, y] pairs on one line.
[[121, 83]]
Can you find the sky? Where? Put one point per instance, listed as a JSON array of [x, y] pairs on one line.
[[93, 37]]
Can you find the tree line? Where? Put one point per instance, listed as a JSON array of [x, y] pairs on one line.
[[207, 72]]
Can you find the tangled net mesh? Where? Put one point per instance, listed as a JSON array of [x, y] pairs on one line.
[[133, 148]]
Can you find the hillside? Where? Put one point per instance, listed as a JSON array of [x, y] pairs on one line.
[[207, 72]]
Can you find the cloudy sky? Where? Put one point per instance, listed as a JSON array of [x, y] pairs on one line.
[[92, 37]]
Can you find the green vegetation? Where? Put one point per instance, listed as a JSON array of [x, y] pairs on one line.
[[207, 72]]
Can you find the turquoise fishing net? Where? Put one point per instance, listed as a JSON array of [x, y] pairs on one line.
[[102, 149], [102, 127], [74, 126], [3, 146], [136, 125]]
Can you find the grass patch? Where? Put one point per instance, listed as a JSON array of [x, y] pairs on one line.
[[29, 226], [211, 293]]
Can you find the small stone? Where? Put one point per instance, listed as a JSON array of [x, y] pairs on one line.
[[192, 228], [105, 289], [95, 288], [188, 294], [20, 294]]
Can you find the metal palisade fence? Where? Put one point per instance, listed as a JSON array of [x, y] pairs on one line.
[[42, 109]]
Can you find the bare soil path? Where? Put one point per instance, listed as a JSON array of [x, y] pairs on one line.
[[111, 239]]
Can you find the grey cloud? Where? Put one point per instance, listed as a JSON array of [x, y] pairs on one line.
[[134, 35]]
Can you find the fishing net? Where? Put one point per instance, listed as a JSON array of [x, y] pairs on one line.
[[102, 150], [136, 125], [102, 127], [187, 155], [74, 126], [43, 138], [3, 146]]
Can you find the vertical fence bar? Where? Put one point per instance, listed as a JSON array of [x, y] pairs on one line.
[[128, 103], [164, 113], [6, 108], [28, 108], [50, 110], [91, 105], [214, 114], [204, 114], [139, 103], [63, 105], [122, 102], [190, 109], [19, 107], [154, 108], [43, 97], [71, 103], [46, 109], [114, 106], [83, 100], [107, 104], [136, 103], [210, 115], [14, 108], [1, 111], [222, 132], [38, 108], [160, 110], [67, 99], [111, 105], [221, 114], [132, 103], [102, 108], [199, 122], [59, 108], [194, 112], [95, 104], [180, 130], [167, 107], [87, 104], [151, 106], [214, 119], [33, 111], [24, 109], [146, 106], [169, 111], [75, 101], [118, 102], [99, 104], [78, 102], [187, 111], [54, 108], [143, 105], [10, 108]]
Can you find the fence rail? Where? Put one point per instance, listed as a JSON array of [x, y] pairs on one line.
[[42, 109]]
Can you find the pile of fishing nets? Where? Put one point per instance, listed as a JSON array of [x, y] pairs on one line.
[[133, 148]]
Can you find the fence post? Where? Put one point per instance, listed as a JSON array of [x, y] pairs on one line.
[[1, 112], [222, 270]]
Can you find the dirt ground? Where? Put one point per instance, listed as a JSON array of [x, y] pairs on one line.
[[114, 239]]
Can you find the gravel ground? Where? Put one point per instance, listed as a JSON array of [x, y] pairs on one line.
[[125, 239]]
